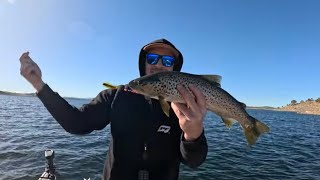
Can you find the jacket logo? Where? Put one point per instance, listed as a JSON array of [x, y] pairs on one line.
[[164, 129]]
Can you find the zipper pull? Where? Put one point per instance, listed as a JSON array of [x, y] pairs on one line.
[[145, 154]]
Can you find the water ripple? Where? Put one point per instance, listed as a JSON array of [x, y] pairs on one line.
[[289, 151]]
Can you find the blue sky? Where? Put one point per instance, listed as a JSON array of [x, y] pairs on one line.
[[267, 51]]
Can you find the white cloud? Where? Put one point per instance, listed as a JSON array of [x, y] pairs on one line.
[[11, 1]]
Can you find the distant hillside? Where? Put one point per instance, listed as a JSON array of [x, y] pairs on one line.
[[261, 107], [304, 107], [33, 95], [16, 94]]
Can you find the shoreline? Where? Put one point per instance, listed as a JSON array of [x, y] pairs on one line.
[[33, 95], [298, 112], [308, 107], [16, 94]]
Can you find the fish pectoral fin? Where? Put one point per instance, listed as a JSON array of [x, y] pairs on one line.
[[228, 121], [216, 79], [164, 105]]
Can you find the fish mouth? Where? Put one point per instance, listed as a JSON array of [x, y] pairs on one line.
[[136, 85]]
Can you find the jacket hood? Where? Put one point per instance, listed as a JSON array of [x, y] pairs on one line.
[[159, 43]]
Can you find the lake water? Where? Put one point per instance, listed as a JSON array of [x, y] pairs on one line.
[[290, 151]]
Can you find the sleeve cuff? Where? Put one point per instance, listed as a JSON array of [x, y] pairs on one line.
[[198, 139], [43, 90]]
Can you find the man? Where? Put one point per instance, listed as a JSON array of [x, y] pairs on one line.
[[145, 143]]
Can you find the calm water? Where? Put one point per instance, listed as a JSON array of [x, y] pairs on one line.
[[290, 151]]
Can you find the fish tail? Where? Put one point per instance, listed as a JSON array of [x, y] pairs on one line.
[[253, 133]]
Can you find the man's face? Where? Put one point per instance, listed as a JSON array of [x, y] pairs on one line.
[[158, 67]]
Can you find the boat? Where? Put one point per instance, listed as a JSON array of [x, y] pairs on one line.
[[49, 171]]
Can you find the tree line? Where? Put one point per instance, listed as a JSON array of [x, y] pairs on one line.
[[294, 102]]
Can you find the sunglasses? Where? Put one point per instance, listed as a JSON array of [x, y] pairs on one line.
[[167, 61]]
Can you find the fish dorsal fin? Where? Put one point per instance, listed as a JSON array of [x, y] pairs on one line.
[[243, 105], [216, 79]]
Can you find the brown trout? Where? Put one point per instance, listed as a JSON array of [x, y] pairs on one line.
[[163, 85]]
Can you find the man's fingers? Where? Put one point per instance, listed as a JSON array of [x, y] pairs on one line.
[[24, 56], [181, 110], [199, 96], [26, 60], [24, 67], [187, 97], [175, 108], [27, 69], [30, 70]]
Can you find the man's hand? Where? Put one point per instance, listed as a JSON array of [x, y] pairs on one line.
[[191, 114], [31, 71]]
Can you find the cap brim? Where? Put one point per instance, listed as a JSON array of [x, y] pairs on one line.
[[162, 45]]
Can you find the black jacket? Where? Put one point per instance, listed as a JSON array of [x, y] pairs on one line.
[[143, 137]]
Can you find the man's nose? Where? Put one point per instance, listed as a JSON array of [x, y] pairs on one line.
[[159, 63]]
